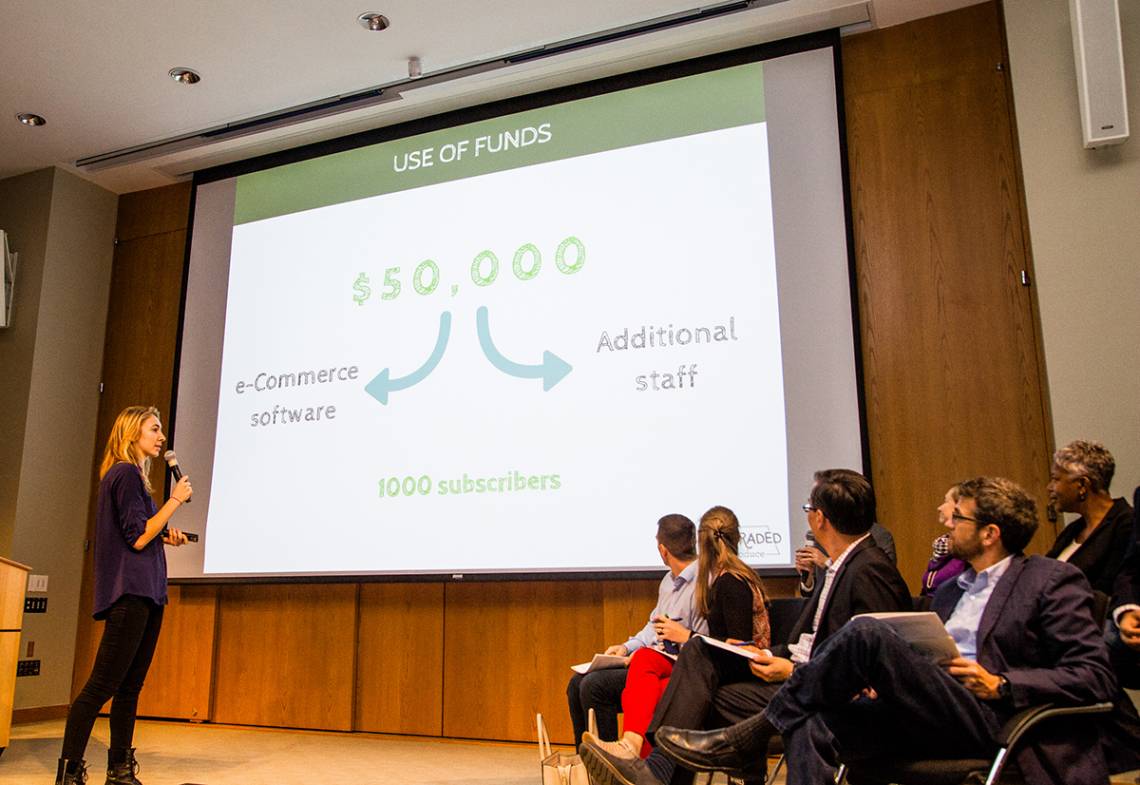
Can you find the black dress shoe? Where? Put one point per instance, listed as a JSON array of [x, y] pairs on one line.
[[605, 768], [708, 751]]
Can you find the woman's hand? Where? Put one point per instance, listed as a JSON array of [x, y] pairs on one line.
[[1130, 629], [181, 492], [670, 630], [174, 536]]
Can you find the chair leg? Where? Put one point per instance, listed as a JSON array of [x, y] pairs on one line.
[[998, 765], [776, 770]]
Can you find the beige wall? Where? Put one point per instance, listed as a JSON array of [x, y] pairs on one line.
[[1084, 223], [25, 203], [58, 345]]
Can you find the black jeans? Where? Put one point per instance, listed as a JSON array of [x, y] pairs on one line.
[[125, 652], [600, 691], [699, 675]]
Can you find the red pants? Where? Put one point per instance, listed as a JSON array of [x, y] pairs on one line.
[[648, 676]]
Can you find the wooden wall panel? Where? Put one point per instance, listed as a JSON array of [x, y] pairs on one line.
[[179, 683], [399, 679], [157, 211], [625, 609], [949, 338], [508, 648], [138, 352], [286, 655]]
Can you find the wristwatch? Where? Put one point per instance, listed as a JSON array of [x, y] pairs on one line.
[[1004, 690]]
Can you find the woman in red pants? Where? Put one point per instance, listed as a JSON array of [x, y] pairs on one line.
[[729, 595]]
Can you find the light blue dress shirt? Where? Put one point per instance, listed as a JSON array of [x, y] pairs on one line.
[[675, 599], [967, 616]]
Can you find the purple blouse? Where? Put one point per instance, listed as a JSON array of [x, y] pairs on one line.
[[123, 509]]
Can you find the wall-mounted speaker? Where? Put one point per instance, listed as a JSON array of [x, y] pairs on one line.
[[1100, 71]]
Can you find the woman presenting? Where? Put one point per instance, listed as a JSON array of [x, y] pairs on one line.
[[130, 592]]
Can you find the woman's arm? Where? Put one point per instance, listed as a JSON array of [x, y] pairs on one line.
[[1112, 561], [734, 599], [179, 494]]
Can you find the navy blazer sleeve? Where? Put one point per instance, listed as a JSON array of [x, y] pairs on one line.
[[1063, 658]]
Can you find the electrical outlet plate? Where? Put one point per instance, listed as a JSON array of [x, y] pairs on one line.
[[28, 668]]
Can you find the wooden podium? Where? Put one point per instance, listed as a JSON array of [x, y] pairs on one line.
[[13, 581]]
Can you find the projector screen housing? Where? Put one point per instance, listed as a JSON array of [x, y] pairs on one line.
[[502, 342]]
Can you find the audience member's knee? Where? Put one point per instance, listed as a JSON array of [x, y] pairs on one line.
[[574, 687]]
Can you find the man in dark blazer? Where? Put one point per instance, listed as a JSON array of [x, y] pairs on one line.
[[1026, 633], [1124, 630], [710, 687]]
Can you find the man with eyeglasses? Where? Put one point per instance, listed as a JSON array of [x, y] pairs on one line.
[[706, 684], [1026, 635]]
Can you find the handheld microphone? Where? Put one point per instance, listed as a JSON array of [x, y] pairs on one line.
[[809, 542], [176, 472]]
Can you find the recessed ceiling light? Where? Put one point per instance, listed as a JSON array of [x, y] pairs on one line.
[[184, 75], [373, 21], [27, 118]]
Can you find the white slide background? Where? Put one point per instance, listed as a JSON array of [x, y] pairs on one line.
[[676, 233]]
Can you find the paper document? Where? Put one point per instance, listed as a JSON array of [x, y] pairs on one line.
[[601, 662], [740, 651], [923, 630]]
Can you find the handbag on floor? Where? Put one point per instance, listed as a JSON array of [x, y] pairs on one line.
[[562, 768]]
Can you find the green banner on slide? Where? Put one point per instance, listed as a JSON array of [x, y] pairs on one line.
[[727, 98]]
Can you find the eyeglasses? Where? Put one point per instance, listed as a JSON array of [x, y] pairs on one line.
[[808, 507], [957, 516]]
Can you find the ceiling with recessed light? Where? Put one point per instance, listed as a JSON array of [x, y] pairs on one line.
[[100, 73]]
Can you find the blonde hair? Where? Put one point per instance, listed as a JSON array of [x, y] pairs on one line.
[[125, 434], [718, 539]]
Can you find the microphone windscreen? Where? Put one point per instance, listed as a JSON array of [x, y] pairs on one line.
[[170, 458]]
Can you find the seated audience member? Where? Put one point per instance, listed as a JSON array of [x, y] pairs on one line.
[[708, 683], [1026, 634], [601, 690], [1124, 629], [943, 565], [729, 594], [811, 559], [1095, 542]]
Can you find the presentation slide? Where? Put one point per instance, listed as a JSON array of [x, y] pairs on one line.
[[505, 346]]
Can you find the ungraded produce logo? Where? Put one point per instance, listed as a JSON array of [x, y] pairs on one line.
[[761, 541]]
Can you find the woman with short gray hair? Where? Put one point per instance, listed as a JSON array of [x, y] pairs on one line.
[[1096, 541]]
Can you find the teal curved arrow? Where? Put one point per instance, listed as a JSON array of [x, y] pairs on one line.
[[553, 368], [381, 385]]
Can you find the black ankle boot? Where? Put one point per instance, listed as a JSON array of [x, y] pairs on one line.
[[71, 772], [122, 767]]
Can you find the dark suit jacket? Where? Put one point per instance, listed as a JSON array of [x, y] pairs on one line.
[[1126, 590], [1038, 631], [1101, 555], [882, 537], [867, 582]]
